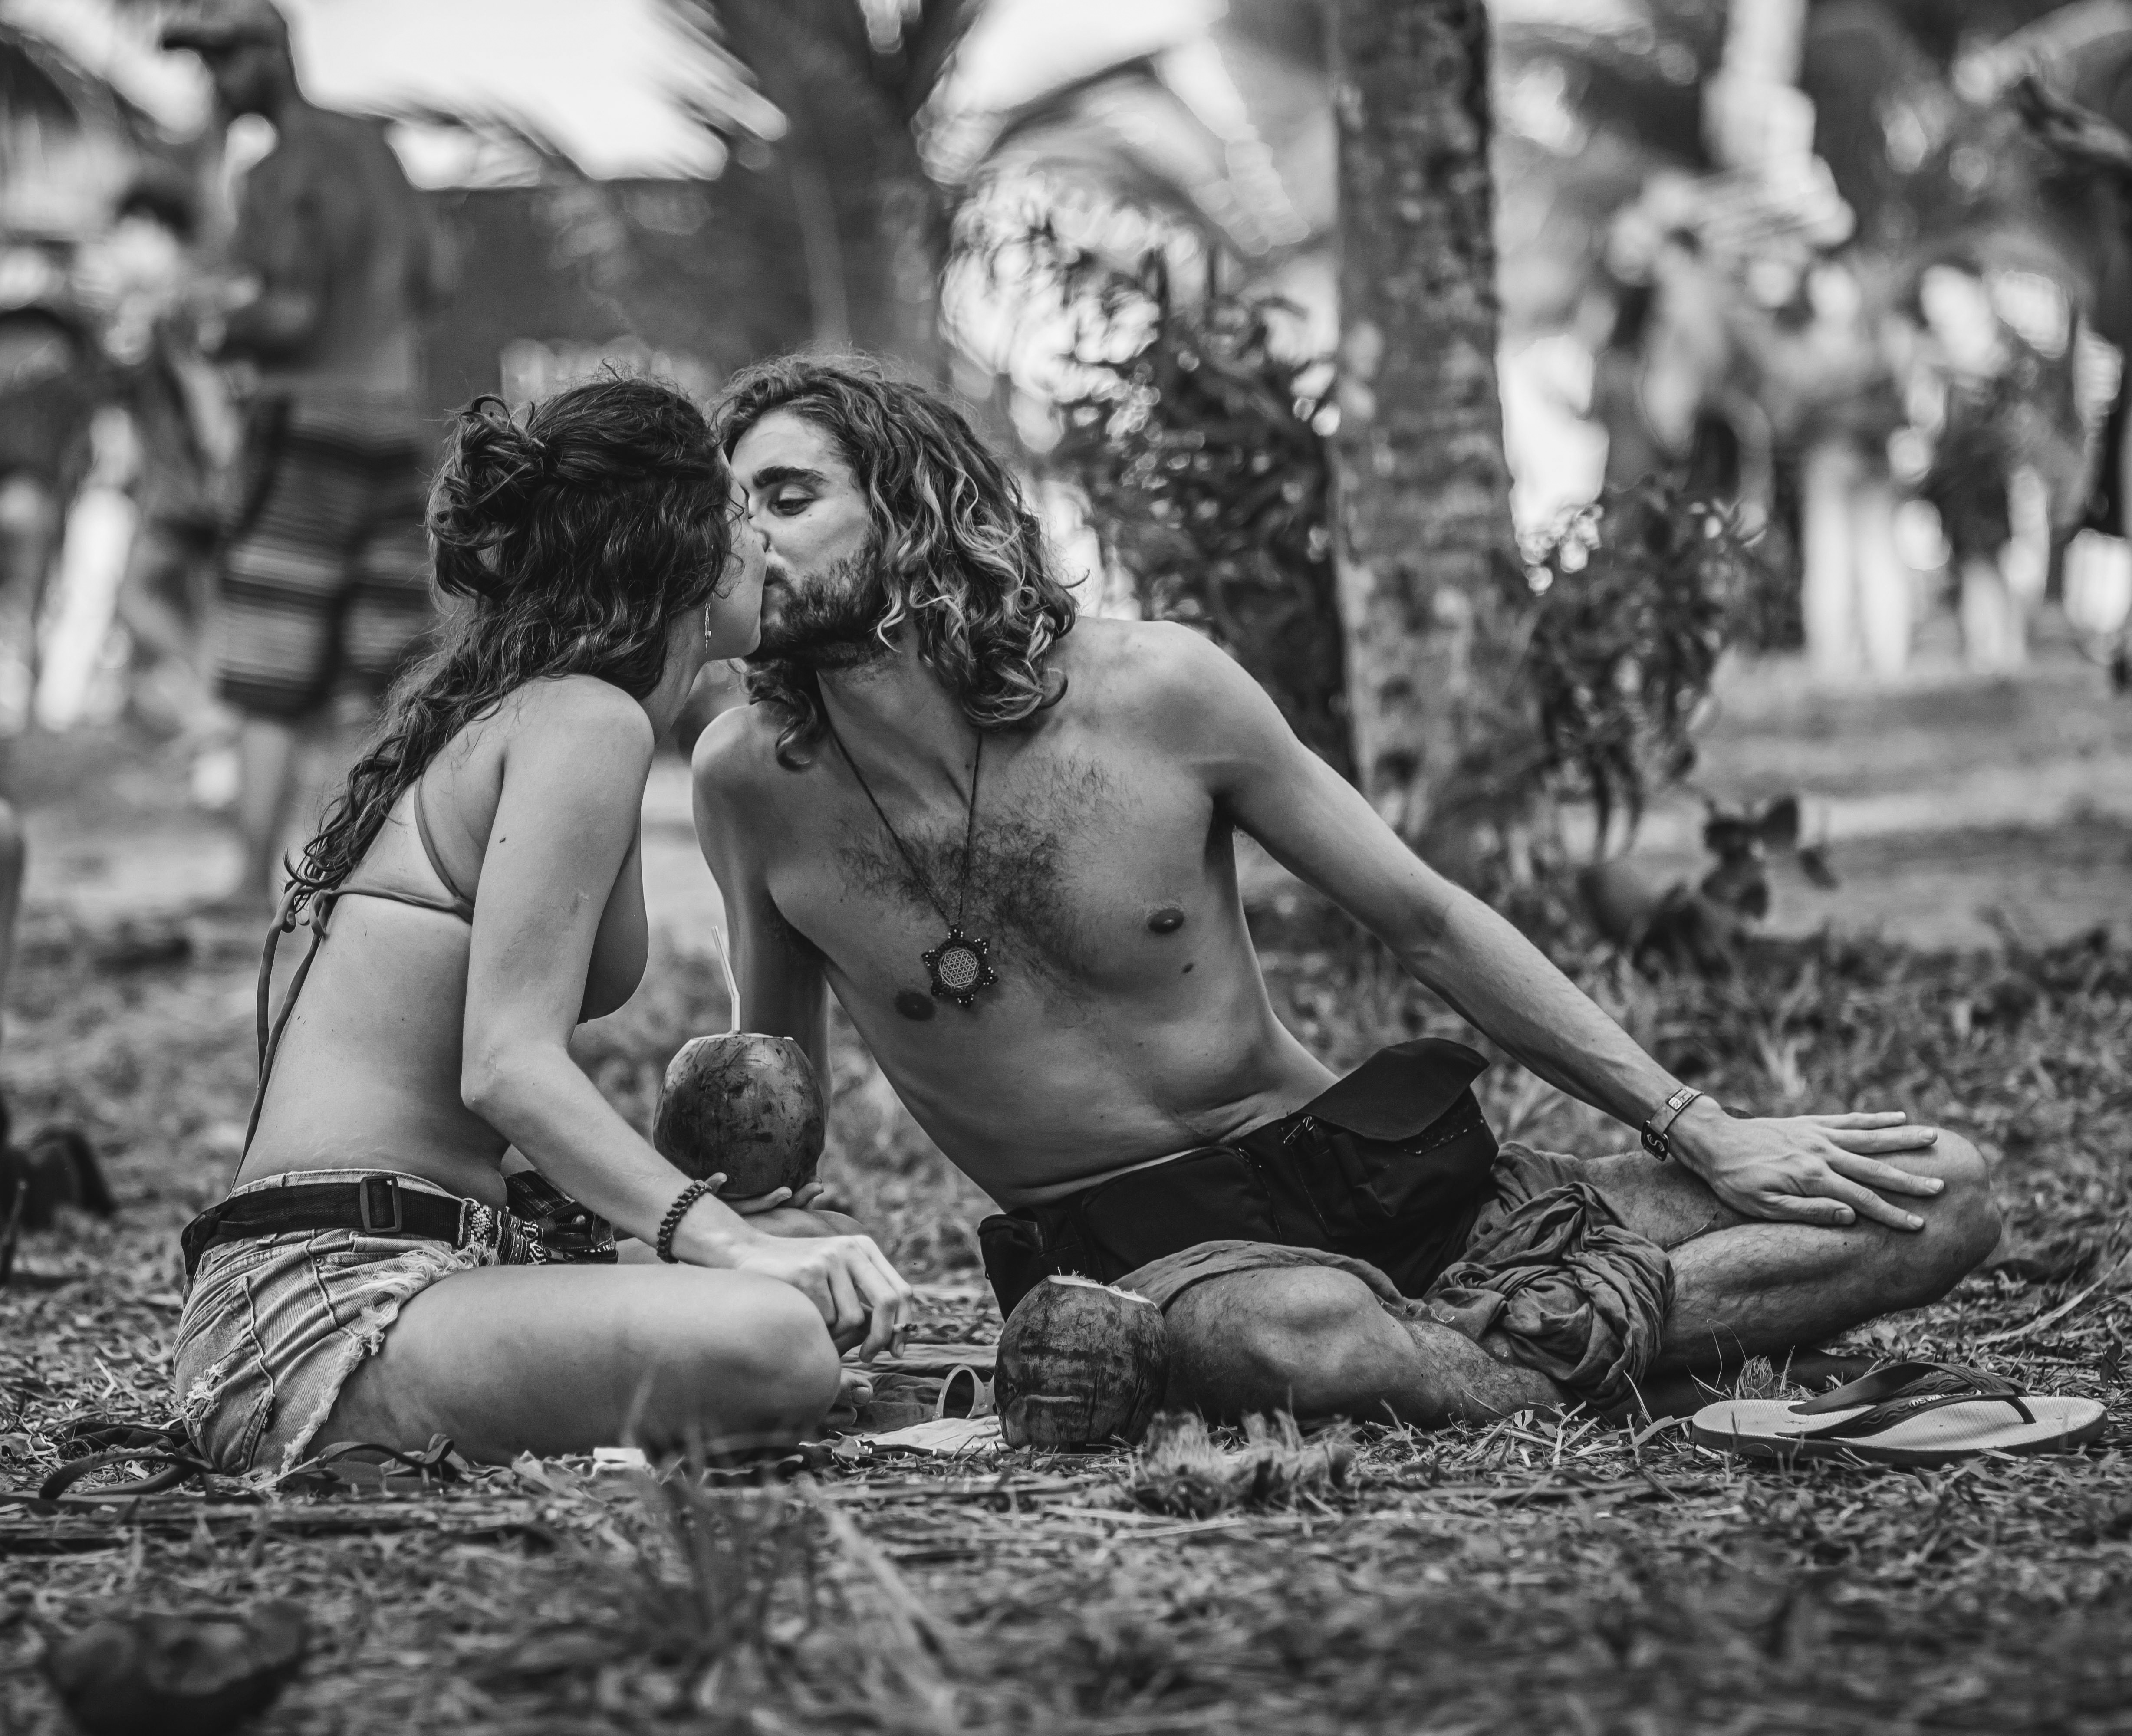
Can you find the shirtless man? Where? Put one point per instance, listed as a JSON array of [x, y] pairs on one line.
[[1117, 1080]]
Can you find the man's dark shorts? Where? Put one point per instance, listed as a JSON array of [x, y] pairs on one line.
[[1391, 1174]]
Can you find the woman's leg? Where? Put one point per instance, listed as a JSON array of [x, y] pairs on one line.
[[547, 1359]]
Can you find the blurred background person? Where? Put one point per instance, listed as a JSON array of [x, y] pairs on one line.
[[324, 581], [143, 277]]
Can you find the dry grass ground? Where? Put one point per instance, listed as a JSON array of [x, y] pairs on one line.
[[1529, 1576]]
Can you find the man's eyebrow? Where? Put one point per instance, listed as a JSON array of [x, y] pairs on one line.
[[770, 476]]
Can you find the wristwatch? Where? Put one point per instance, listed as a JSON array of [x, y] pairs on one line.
[[1657, 1127]]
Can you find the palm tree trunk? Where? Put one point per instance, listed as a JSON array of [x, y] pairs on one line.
[[1422, 487], [869, 218], [821, 243]]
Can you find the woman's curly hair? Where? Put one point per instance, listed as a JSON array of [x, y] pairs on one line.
[[962, 557], [573, 539]]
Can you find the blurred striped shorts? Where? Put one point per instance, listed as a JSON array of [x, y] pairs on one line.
[[325, 581]]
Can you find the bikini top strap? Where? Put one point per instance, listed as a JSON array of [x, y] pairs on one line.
[[269, 1040], [461, 904]]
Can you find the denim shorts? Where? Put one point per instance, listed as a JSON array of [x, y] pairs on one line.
[[273, 1325]]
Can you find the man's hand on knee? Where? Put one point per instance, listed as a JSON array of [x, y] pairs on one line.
[[1810, 1169]]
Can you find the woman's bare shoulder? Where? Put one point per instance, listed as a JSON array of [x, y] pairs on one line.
[[582, 709]]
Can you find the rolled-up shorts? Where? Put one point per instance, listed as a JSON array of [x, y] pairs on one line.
[[325, 583], [274, 1325], [1548, 1272], [1392, 1175]]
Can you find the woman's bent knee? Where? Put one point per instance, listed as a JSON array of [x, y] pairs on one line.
[[769, 1372]]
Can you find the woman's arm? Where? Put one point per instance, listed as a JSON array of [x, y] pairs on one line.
[[574, 776]]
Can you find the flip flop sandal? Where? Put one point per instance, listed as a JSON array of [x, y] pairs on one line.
[[1915, 1414]]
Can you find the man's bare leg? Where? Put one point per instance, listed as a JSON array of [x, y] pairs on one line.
[[1744, 1288], [1316, 1341]]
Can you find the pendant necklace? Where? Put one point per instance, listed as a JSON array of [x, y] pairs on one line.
[[958, 965]]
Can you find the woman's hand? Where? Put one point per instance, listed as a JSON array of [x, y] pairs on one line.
[[1807, 1169], [862, 1299]]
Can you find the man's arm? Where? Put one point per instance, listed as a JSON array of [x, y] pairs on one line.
[[1819, 1170], [783, 991]]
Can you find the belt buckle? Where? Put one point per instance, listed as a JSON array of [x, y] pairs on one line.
[[372, 1214]]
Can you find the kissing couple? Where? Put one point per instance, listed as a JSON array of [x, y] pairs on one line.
[[1004, 835]]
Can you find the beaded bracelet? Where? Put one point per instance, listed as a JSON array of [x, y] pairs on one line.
[[675, 1213]]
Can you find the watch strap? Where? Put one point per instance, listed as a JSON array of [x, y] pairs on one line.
[[1658, 1127]]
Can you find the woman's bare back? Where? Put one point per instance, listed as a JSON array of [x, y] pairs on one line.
[[368, 1070]]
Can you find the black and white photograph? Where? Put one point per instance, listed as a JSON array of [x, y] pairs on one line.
[[1101, 867]]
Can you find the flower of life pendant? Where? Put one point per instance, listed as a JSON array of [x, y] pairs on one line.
[[959, 967]]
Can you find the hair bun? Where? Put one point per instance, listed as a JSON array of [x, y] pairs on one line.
[[491, 473]]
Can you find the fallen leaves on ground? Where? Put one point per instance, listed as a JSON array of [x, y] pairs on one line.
[[1530, 1574]]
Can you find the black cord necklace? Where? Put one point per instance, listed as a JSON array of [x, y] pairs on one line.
[[958, 965]]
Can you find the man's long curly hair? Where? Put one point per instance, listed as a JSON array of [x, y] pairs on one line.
[[575, 539], [961, 556]]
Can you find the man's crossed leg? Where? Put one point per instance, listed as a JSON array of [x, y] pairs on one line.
[[1319, 1341]]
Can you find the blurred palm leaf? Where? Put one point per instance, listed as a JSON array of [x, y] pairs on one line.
[[42, 86]]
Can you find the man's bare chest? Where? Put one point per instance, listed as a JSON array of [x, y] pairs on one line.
[[1080, 876]]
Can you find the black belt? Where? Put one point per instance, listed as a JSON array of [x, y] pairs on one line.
[[375, 1205]]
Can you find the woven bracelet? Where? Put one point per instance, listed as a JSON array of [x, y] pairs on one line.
[[675, 1213]]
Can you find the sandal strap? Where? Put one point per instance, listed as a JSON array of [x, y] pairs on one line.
[[166, 1447], [1899, 1378], [1904, 1390], [436, 1456]]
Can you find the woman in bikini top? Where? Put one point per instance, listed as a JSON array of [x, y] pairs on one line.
[[473, 894]]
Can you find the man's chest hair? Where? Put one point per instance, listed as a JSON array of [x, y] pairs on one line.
[[1046, 855]]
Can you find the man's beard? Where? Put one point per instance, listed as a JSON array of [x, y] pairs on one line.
[[833, 622]]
